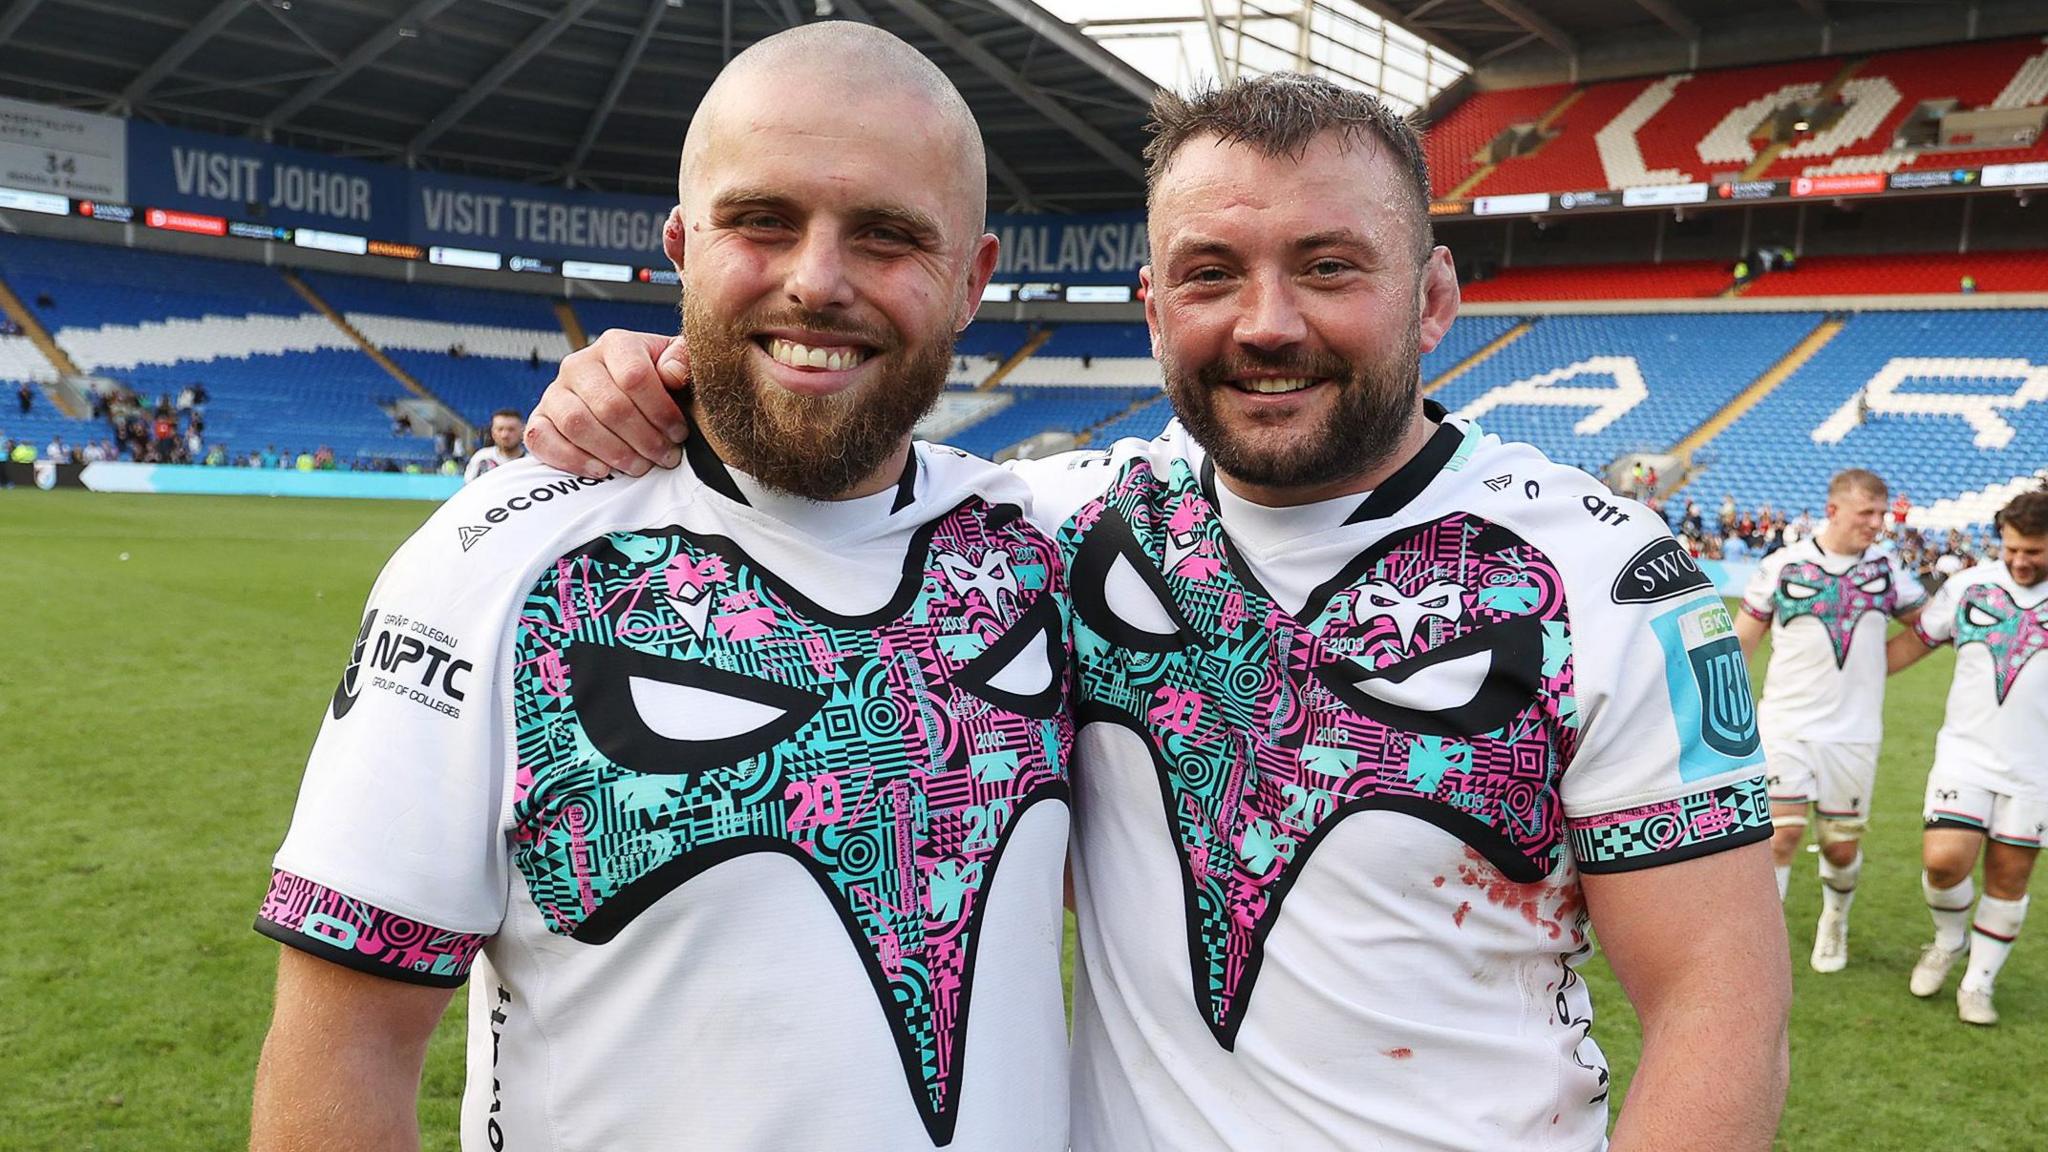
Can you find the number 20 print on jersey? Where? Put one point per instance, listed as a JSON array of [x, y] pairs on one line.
[[677, 706], [1431, 676]]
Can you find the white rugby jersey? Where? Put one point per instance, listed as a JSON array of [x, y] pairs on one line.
[[1996, 732], [1337, 777], [739, 804], [1825, 679], [487, 458]]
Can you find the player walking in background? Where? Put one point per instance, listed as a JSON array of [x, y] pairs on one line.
[[508, 443], [1378, 710], [1825, 601], [739, 784], [1988, 791]]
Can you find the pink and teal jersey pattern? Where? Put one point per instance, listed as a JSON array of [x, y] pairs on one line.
[[1836, 601], [888, 753], [1432, 676], [359, 935], [1988, 615]]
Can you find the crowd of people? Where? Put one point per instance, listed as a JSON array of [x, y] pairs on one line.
[[172, 430], [1732, 533]]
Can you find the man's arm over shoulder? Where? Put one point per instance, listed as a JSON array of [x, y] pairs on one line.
[[341, 1063]]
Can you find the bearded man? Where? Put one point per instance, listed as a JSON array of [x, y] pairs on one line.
[[729, 790], [1378, 712]]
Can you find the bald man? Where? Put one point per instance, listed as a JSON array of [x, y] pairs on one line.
[[729, 790]]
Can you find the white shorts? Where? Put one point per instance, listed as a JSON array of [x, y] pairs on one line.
[[1837, 779], [1953, 803]]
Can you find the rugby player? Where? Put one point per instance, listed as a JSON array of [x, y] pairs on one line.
[[508, 434], [1988, 791], [1442, 698], [1825, 602], [730, 790]]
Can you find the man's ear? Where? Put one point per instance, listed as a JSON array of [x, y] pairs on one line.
[[1145, 290], [672, 238], [1437, 297], [979, 272]]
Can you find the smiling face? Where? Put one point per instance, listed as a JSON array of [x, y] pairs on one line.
[[830, 244], [1290, 304], [2026, 557], [1855, 517]]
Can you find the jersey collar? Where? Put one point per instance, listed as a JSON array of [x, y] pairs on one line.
[[705, 462]]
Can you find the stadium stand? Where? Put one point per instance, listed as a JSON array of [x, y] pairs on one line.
[[1570, 159], [1706, 128], [1038, 408], [1456, 144], [1930, 273], [1957, 405], [1589, 388], [632, 315], [1676, 280], [279, 372], [1091, 355], [1889, 87], [476, 350], [1467, 335], [1685, 127]]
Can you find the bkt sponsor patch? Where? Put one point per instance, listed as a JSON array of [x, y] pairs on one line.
[[1709, 686], [1663, 569]]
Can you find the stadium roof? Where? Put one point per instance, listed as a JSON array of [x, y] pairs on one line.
[[597, 93], [591, 93]]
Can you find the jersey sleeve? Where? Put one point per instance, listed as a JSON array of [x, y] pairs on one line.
[[1759, 594], [1667, 765], [1912, 594], [396, 862], [1936, 624]]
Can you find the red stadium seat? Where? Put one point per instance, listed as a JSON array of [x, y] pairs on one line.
[[1454, 141]]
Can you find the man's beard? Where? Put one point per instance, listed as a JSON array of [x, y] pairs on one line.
[[817, 447], [1363, 429]]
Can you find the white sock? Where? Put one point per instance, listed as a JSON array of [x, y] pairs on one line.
[[1838, 885], [1784, 881], [1950, 908], [1997, 925]]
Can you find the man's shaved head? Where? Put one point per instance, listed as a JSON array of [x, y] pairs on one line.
[[844, 65]]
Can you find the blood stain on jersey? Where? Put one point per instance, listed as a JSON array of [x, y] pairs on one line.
[[1432, 676], [1550, 908], [678, 705], [1836, 601]]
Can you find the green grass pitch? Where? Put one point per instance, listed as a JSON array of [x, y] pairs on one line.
[[165, 665]]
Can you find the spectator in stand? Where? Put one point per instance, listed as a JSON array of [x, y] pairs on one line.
[[304, 462], [323, 458], [1900, 507], [1694, 522], [216, 456], [22, 453], [195, 446], [55, 449], [268, 457], [1968, 285], [199, 396], [166, 437], [1728, 514], [533, 359], [508, 434], [27, 398], [43, 300]]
